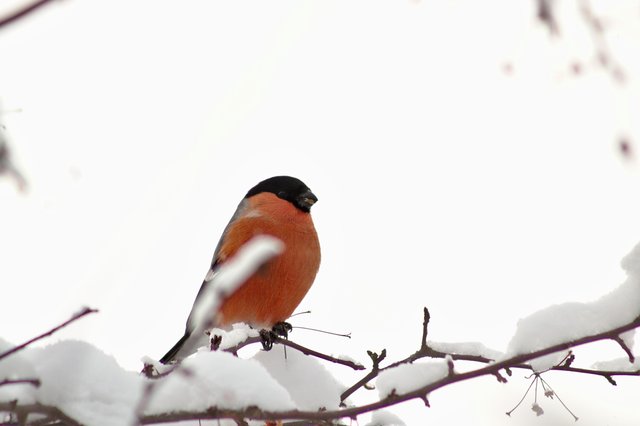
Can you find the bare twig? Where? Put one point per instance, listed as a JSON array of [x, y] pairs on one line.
[[22, 411], [625, 348], [376, 359], [6, 164], [546, 15], [82, 313], [303, 349], [33, 382], [347, 335], [311, 352], [603, 52], [425, 325], [27, 9]]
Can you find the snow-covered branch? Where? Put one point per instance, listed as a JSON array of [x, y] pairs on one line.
[[23, 411], [85, 311], [393, 382], [216, 384], [440, 375]]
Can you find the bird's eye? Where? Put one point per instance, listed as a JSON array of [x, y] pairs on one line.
[[282, 194]]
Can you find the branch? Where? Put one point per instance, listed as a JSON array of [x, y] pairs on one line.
[[34, 382], [420, 393], [23, 411], [22, 12], [603, 52], [82, 313], [425, 326], [6, 165], [625, 348], [602, 373], [366, 379], [293, 345], [311, 352]]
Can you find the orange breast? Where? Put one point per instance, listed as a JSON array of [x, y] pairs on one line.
[[273, 292]]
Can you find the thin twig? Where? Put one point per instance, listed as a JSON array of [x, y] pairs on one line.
[[625, 348], [22, 12], [311, 352], [33, 382], [425, 326], [603, 52], [82, 313], [366, 379], [22, 411], [303, 349], [347, 335]]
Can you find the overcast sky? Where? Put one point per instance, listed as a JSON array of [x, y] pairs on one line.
[[459, 163]]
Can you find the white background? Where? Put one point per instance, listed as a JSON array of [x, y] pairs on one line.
[[444, 181]]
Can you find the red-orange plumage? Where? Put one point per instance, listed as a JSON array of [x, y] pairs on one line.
[[278, 206], [272, 293]]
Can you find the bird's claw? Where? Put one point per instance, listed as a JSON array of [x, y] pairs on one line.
[[282, 328], [267, 337]]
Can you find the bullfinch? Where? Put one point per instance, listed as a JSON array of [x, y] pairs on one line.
[[279, 206]]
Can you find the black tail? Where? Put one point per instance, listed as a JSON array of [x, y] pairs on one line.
[[169, 356]]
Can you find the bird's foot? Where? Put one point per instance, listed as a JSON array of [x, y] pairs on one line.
[[282, 329], [267, 337]]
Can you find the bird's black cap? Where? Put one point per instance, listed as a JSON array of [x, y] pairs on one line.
[[288, 188]]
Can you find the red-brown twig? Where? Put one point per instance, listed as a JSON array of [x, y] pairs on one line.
[[23, 411], [624, 347], [14, 16], [82, 313], [298, 347], [33, 382], [394, 398]]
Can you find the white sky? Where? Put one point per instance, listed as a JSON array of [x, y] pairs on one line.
[[443, 181]]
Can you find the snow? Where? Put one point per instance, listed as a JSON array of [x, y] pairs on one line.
[[239, 333], [222, 380], [345, 357], [16, 367], [384, 418], [409, 377], [467, 348], [569, 321], [84, 382], [89, 385], [307, 380], [618, 364], [232, 274]]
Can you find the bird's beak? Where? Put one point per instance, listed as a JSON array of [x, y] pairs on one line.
[[306, 200]]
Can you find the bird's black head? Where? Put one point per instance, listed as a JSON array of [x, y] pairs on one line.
[[288, 188]]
